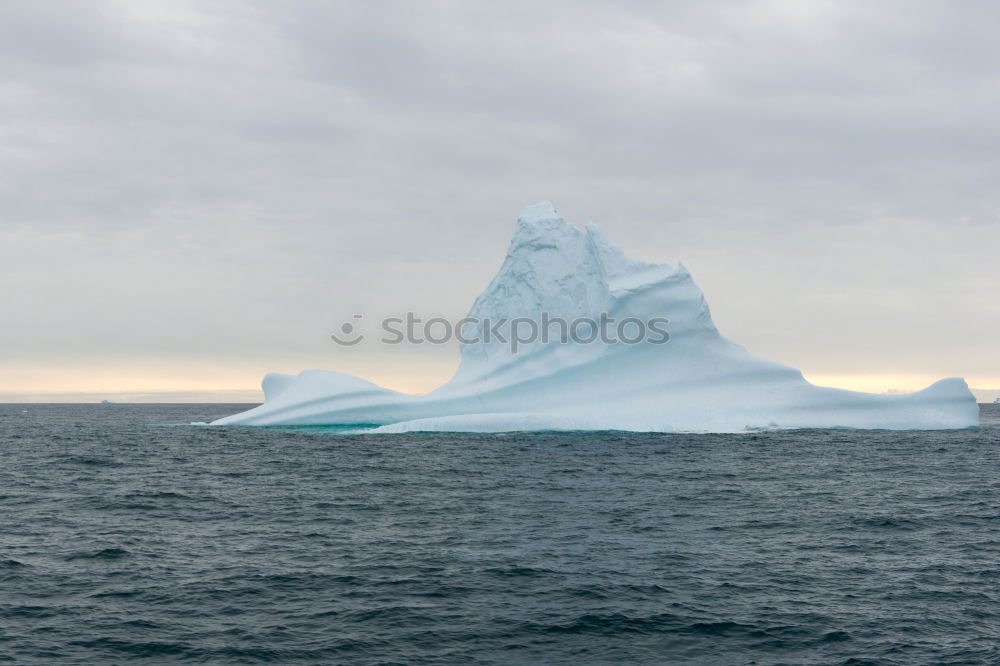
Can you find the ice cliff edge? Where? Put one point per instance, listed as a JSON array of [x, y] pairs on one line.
[[697, 381]]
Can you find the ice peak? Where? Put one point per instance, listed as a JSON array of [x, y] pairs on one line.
[[543, 211], [540, 228]]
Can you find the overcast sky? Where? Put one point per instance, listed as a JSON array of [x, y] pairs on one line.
[[193, 194]]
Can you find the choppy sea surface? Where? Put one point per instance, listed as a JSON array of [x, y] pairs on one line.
[[123, 540]]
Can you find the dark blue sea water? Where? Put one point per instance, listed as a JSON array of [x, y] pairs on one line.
[[125, 542]]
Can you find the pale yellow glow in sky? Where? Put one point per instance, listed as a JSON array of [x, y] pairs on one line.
[[882, 383], [141, 380], [214, 382]]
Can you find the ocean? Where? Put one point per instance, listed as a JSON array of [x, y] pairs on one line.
[[124, 539]]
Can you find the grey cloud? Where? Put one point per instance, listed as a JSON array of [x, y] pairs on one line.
[[260, 168]]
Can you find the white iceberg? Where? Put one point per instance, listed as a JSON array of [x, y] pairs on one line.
[[697, 382]]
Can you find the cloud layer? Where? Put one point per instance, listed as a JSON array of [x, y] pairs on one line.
[[216, 185]]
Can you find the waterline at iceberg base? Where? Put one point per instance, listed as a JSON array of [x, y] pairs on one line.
[[698, 382]]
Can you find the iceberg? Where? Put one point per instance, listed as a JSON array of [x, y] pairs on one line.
[[694, 381]]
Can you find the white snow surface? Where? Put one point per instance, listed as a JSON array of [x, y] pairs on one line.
[[697, 382]]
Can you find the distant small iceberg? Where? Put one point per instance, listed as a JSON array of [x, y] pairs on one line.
[[108, 402]]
